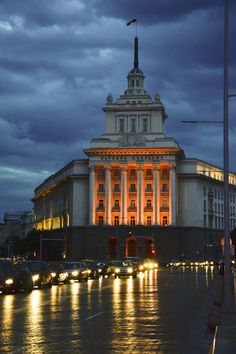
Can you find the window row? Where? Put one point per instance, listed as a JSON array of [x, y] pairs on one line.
[[131, 125], [132, 187], [101, 203], [132, 221]]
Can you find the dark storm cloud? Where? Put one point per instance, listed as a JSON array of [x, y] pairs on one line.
[[59, 59]]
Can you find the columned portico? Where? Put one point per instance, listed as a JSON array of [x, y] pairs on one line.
[[173, 194], [123, 195], [156, 201], [108, 196], [92, 195], [140, 195]]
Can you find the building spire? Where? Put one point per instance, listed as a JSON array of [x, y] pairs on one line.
[[136, 53]]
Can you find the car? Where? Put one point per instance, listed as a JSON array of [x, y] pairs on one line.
[[13, 279], [122, 268], [41, 273], [76, 270], [58, 273], [93, 268], [103, 268]]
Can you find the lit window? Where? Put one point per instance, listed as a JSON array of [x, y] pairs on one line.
[[164, 172], [149, 220], [164, 220], [132, 188], [116, 221], [100, 220], [164, 187], [116, 187], [132, 172], [132, 220], [101, 187], [164, 203], [116, 172], [101, 172], [132, 203]]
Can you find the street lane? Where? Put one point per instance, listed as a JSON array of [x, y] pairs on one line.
[[162, 311]]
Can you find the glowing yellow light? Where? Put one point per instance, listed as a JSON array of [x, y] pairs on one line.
[[130, 270], [35, 277], [9, 281], [53, 274], [117, 270], [75, 273]]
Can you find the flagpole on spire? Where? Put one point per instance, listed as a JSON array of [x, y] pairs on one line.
[[136, 23]]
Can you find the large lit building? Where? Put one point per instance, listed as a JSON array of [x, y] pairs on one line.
[[136, 194]]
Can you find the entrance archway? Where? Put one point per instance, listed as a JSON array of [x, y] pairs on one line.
[[112, 247], [131, 247]]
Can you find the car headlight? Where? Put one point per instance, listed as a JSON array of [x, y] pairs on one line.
[[35, 277], [89, 271], [53, 274], [141, 267], [75, 273], [117, 270], [130, 270], [99, 270], [9, 281]]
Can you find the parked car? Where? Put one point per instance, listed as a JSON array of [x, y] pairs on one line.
[[41, 273], [58, 273], [13, 279], [122, 268], [76, 270], [93, 268]]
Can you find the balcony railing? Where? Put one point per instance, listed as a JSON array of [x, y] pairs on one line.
[[99, 193], [164, 208], [148, 208], [132, 208], [115, 208], [100, 208], [164, 193]]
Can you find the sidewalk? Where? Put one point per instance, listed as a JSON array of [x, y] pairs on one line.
[[226, 332]]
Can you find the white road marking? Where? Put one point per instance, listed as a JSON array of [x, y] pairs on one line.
[[95, 315]]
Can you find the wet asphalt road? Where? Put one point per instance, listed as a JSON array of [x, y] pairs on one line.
[[162, 311]]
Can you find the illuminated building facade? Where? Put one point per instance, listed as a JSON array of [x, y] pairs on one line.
[[135, 178]]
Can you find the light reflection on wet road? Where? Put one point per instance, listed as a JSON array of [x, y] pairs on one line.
[[162, 311]]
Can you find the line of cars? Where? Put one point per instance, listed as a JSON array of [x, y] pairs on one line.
[[26, 275]]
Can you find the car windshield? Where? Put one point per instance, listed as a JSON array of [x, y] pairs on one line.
[[34, 266], [72, 265], [121, 264], [4, 266]]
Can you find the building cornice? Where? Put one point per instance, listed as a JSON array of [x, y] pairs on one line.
[[132, 151]]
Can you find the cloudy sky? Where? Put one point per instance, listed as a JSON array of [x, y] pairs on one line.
[[60, 58]]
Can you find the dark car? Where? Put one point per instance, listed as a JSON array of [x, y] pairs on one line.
[[76, 270], [93, 268], [58, 273], [41, 273], [13, 279], [122, 268], [103, 268]]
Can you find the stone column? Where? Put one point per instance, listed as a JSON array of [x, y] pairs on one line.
[[140, 195], [156, 199], [91, 196], [123, 195], [108, 196], [173, 194]]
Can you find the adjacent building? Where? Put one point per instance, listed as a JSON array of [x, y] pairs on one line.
[[136, 193]]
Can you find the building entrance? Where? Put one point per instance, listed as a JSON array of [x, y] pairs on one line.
[[131, 247]]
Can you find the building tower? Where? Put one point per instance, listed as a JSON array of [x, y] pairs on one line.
[[132, 165]]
